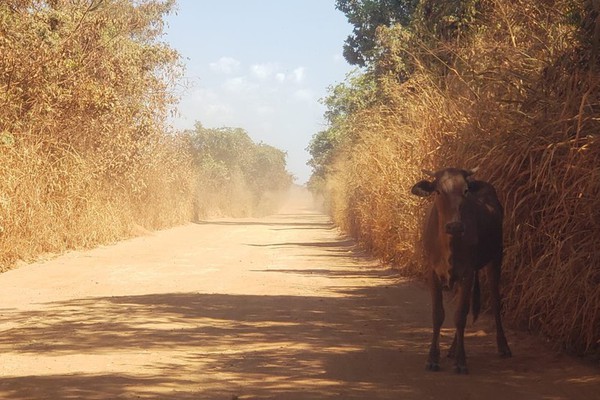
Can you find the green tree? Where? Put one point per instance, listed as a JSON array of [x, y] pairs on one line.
[[227, 157], [429, 19], [367, 15], [267, 170], [342, 102], [230, 147]]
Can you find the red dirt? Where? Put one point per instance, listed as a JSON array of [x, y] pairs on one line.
[[276, 308]]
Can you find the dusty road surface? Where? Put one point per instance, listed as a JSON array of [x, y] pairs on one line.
[[273, 308]]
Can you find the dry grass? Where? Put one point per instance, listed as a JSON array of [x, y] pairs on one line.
[[522, 102], [49, 203], [86, 156], [369, 200]]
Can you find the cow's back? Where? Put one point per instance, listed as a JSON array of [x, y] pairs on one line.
[[488, 215]]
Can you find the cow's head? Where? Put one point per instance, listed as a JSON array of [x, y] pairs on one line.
[[451, 187]]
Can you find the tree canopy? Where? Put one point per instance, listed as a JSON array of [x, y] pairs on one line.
[[367, 16], [230, 153]]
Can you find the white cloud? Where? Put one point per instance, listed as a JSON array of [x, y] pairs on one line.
[[264, 71], [217, 111], [225, 65], [239, 85], [280, 77], [204, 105], [298, 74], [272, 70]]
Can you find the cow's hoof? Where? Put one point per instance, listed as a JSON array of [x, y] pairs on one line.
[[432, 366], [461, 369]]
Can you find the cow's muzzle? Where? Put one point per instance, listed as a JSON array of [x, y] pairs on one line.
[[455, 228]]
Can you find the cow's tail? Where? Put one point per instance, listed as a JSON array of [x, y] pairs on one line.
[[476, 303]]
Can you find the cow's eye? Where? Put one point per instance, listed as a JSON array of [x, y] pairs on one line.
[[466, 191]]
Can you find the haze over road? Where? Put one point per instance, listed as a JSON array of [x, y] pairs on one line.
[[276, 308]]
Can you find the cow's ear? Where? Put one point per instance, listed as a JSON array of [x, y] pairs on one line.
[[423, 188], [471, 171]]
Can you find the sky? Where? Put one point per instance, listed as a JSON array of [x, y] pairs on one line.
[[260, 65]]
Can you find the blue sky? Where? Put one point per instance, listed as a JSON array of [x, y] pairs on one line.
[[260, 65]]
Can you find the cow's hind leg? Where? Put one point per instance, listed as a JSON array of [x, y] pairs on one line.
[[493, 271], [433, 362], [452, 351], [460, 319]]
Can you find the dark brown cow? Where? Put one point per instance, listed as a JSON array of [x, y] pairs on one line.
[[462, 234]]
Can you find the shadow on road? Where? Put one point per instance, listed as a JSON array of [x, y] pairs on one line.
[[367, 343], [266, 345], [335, 244], [289, 221]]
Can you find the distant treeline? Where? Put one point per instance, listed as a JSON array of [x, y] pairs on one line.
[[86, 153], [511, 86], [237, 177]]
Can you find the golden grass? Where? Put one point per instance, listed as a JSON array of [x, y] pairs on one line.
[[49, 203], [86, 156], [520, 101]]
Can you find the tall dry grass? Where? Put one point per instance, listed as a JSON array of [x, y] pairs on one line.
[[84, 150], [519, 98], [367, 198], [86, 155], [51, 202]]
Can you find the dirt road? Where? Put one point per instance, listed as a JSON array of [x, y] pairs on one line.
[[273, 308]]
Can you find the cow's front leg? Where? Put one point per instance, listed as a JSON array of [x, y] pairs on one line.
[[460, 320], [433, 362]]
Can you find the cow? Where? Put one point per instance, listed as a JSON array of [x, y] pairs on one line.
[[462, 234]]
